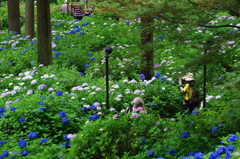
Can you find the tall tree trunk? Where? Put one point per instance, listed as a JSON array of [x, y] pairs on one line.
[[147, 47], [29, 17], [14, 16], [44, 33]]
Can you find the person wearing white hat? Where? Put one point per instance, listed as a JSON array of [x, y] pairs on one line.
[[187, 89], [138, 106]]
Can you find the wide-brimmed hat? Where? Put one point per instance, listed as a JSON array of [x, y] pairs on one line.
[[188, 77]]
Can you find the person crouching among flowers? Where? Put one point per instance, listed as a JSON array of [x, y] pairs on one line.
[[138, 106]]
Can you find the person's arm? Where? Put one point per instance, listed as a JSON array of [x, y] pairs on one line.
[[186, 88], [180, 83]]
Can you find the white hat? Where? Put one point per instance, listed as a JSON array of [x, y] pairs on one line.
[[137, 101], [188, 77]]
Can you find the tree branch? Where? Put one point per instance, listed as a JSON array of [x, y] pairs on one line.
[[206, 26], [235, 12], [193, 2]]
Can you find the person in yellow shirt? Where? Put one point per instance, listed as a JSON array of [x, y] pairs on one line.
[[188, 90]]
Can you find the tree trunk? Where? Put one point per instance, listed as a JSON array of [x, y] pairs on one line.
[[29, 17], [14, 16], [147, 47], [44, 33]]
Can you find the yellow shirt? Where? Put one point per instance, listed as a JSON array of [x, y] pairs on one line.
[[188, 91]]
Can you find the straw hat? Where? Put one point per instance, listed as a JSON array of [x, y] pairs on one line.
[[188, 77]]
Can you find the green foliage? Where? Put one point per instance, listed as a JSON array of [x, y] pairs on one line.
[[112, 137]]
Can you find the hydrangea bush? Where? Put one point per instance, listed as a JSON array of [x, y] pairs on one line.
[[59, 111]]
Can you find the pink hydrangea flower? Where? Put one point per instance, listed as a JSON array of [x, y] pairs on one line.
[[139, 109], [115, 116]]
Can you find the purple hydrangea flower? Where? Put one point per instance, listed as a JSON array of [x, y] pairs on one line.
[[41, 86]]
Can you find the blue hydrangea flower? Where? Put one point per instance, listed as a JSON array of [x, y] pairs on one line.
[[72, 31], [198, 155], [128, 22], [65, 137], [59, 93], [185, 135], [22, 119], [160, 36], [93, 58], [62, 114], [191, 154], [5, 153], [172, 152], [89, 55], [135, 63], [1, 143], [153, 104], [24, 153], [43, 140], [64, 120], [57, 37], [93, 117], [157, 75], [163, 79], [214, 130], [150, 153], [78, 29], [221, 150], [230, 148], [81, 73], [22, 143], [214, 155], [232, 138], [143, 140], [13, 108], [86, 66], [2, 110], [93, 107], [228, 155], [41, 103], [57, 53], [142, 76], [32, 135]]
